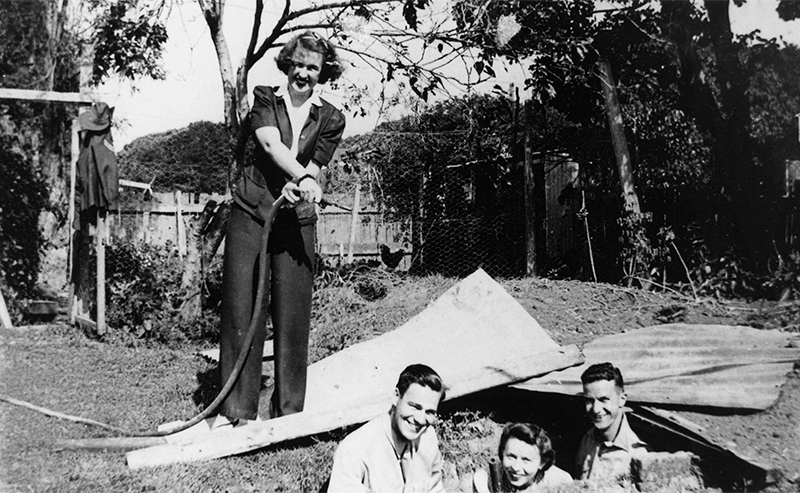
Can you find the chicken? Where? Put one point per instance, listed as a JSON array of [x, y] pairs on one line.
[[390, 258]]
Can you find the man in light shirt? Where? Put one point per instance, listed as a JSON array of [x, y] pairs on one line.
[[397, 452], [606, 450]]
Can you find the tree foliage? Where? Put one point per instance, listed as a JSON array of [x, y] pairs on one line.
[[128, 39], [708, 114], [22, 198]]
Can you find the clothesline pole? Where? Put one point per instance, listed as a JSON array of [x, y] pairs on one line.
[[100, 245], [75, 152], [354, 223]]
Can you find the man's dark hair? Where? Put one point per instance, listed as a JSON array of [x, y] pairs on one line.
[[603, 371], [532, 435], [421, 375], [331, 64]]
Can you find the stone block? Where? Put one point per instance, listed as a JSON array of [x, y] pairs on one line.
[[664, 471]]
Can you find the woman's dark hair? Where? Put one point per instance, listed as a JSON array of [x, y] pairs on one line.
[[532, 435], [331, 64]]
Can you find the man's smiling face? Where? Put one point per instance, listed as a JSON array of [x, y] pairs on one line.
[[603, 402], [414, 411]]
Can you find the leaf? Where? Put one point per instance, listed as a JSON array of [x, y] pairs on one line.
[[479, 66], [410, 14]]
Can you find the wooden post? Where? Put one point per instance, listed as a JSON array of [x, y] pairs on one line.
[[146, 226], [5, 319], [354, 223], [100, 244], [79, 299], [181, 226], [73, 171], [530, 199]]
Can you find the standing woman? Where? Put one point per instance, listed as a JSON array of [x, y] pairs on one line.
[[296, 133]]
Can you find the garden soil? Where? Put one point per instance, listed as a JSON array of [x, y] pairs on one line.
[[138, 385]]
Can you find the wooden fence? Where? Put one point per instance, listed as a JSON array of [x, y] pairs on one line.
[[165, 218]]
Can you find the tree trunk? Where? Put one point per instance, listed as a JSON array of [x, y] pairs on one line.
[[535, 203], [207, 233], [617, 129], [212, 12], [632, 223]]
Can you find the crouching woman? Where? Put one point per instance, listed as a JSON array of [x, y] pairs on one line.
[[525, 464]]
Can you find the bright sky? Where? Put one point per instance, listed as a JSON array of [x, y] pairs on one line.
[[193, 90]]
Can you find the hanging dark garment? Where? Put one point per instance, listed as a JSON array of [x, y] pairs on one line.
[[97, 175]]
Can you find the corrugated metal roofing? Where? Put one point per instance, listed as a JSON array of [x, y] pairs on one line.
[[475, 335], [697, 365]]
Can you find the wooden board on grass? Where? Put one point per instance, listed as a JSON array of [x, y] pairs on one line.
[[266, 355], [718, 366], [475, 335]]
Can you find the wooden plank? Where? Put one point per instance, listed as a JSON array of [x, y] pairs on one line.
[[85, 322], [100, 245], [354, 223], [475, 335], [5, 318], [723, 366], [181, 227], [155, 208], [73, 171], [32, 95], [362, 249], [269, 352], [257, 435], [108, 443]]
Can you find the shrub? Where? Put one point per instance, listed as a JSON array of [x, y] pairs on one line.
[[726, 277], [23, 196], [145, 297], [785, 280]]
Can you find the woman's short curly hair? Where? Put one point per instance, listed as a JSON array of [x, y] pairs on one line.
[[331, 66], [532, 435]]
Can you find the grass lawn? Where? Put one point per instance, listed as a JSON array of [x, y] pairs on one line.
[[135, 385]]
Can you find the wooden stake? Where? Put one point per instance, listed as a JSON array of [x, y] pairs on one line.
[[354, 223], [100, 243], [181, 226], [5, 319]]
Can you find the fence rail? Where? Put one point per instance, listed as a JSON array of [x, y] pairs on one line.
[[162, 218]]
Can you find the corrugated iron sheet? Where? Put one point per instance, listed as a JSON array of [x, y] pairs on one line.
[[476, 336], [697, 365]]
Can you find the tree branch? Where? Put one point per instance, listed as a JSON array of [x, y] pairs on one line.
[[251, 47]]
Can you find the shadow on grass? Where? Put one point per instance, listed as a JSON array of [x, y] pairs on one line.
[[208, 386]]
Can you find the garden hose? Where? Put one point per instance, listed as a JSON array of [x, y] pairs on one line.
[[248, 341]]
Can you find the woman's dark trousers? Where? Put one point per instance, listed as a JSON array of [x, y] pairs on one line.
[[290, 279]]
